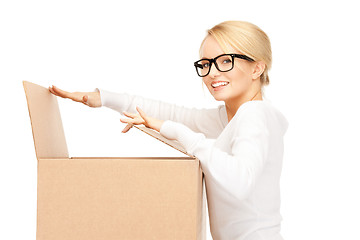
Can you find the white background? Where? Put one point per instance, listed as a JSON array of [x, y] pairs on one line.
[[148, 48]]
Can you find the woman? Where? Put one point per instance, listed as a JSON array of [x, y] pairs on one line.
[[239, 144]]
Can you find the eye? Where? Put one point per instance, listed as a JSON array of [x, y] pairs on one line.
[[224, 60], [206, 65], [227, 61]]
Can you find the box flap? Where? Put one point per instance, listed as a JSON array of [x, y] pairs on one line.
[[173, 143], [47, 128]]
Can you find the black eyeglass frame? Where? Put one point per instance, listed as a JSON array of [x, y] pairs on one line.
[[213, 60]]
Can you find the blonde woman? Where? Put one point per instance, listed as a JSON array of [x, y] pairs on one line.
[[239, 144]]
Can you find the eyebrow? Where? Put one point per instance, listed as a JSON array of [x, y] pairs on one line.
[[213, 57]]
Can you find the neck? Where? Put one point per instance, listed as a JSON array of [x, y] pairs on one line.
[[233, 105]]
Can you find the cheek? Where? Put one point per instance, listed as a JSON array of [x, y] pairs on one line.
[[240, 76], [206, 81], [240, 70]]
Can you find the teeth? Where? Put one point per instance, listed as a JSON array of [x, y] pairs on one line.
[[219, 84]]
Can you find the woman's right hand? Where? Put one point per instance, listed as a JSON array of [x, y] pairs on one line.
[[91, 99]]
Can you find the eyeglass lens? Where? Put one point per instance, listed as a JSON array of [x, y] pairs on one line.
[[222, 63]]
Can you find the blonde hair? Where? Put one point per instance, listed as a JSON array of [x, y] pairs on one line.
[[246, 38]]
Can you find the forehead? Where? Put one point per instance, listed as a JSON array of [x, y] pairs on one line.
[[211, 48]]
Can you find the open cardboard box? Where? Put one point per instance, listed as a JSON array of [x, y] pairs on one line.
[[110, 198]]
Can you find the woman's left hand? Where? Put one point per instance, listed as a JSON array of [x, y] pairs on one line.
[[140, 118]]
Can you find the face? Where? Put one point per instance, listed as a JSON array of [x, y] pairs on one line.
[[227, 86]]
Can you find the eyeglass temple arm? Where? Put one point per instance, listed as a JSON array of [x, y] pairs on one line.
[[198, 65], [244, 57]]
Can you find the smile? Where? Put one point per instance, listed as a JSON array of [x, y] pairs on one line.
[[218, 84]]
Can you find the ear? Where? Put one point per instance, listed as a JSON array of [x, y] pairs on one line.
[[259, 68]]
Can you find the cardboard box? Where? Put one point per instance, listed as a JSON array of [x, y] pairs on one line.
[[114, 197]]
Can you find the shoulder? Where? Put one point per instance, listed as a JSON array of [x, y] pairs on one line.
[[252, 109], [261, 113], [259, 107]]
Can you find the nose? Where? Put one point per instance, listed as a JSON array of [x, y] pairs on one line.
[[214, 72]]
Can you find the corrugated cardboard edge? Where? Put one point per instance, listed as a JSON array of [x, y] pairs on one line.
[[158, 136], [201, 207], [48, 132]]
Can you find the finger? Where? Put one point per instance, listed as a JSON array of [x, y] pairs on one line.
[[127, 120], [130, 115], [127, 128], [135, 121], [60, 92], [52, 91], [141, 112]]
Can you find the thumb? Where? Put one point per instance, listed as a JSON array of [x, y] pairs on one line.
[[85, 99], [142, 113]]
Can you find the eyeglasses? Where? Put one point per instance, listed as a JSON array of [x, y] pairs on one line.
[[223, 63]]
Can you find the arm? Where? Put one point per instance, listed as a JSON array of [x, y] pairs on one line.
[[235, 172], [208, 121], [211, 122]]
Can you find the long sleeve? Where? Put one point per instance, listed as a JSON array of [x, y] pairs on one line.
[[208, 121], [235, 171]]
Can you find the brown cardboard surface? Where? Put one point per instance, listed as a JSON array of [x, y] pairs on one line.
[[118, 199], [110, 198]]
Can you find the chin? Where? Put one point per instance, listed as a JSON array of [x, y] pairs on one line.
[[219, 97]]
